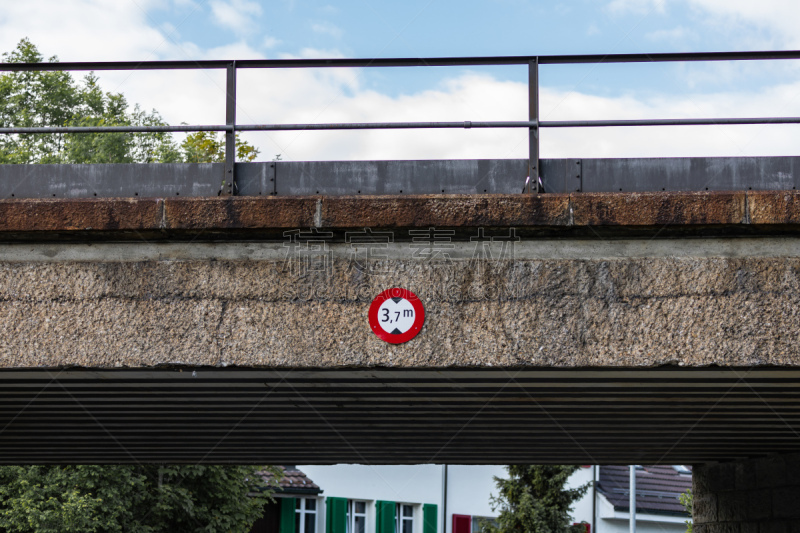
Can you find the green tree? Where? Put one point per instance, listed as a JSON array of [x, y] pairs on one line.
[[207, 147], [141, 499], [42, 98], [533, 500], [29, 99], [687, 499]]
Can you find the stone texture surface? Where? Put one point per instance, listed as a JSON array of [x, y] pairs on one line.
[[100, 214], [511, 313], [446, 210], [558, 212], [774, 207], [772, 503], [659, 208], [234, 212]]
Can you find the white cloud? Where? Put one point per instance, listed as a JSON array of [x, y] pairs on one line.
[[765, 23], [677, 35], [636, 6], [97, 30], [100, 30], [83, 30], [236, 15], [708, 141], [777, 17], [237, 50], [327, 28], [303, 97], [270, 42]]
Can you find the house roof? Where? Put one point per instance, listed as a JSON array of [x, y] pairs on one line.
[[657, 488], [294, 481]]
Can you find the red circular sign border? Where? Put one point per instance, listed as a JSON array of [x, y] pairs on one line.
[[419, 318]]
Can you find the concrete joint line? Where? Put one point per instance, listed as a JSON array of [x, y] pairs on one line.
[[585, 249], [571, 216], [746, 219], [163, 213], [318, 214]]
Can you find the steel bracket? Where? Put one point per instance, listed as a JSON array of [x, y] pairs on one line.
[[575, 174]]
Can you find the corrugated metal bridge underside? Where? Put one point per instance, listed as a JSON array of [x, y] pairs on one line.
[[223, 415]]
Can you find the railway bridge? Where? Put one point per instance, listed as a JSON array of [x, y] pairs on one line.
[[612, 311]]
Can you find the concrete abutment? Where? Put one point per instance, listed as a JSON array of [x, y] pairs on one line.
[[759, 495]]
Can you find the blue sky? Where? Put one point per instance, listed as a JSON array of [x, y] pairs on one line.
[[425, 28], [235, 29]]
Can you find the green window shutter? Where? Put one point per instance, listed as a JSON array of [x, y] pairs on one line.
[[288, 506], [384, 517], [335, 515], [430, 518]]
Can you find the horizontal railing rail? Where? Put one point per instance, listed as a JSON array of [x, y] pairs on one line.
[[533, 124], [408, 62], [409, 125]]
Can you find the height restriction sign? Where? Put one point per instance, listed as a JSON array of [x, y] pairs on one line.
[[396, 315]]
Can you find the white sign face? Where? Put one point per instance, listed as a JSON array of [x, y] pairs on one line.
[[396, 315]]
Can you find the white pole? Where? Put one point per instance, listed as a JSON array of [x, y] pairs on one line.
[[444, 499], [633, 499]]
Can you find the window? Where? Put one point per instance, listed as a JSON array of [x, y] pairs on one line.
[[405, 518], [305, 517], [479, 521], [356, 516]]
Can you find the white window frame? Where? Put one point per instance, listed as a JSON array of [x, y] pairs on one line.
[[399, 518], [352, 515], [303, 512]]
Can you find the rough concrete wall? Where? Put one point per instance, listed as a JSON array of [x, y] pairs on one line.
[[756, 496], [521, 312]]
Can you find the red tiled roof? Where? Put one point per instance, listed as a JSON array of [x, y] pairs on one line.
[[657, 488]]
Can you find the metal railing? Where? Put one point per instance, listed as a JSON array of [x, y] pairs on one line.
[[533, 124]]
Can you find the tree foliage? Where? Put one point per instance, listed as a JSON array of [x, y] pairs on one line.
[[687, 499], [41, 98], [533, 500], [207, 147], [130, 498]]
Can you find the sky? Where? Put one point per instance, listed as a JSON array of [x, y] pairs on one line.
[[141, 30]]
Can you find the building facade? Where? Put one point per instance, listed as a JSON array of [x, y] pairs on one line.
[[454, 499]]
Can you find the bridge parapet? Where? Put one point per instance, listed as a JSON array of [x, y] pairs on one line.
[[400, 178]]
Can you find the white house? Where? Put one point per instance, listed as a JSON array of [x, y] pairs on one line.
[[451, 499]]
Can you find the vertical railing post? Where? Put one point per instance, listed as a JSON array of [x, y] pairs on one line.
[[533, 132], [229, 180]]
